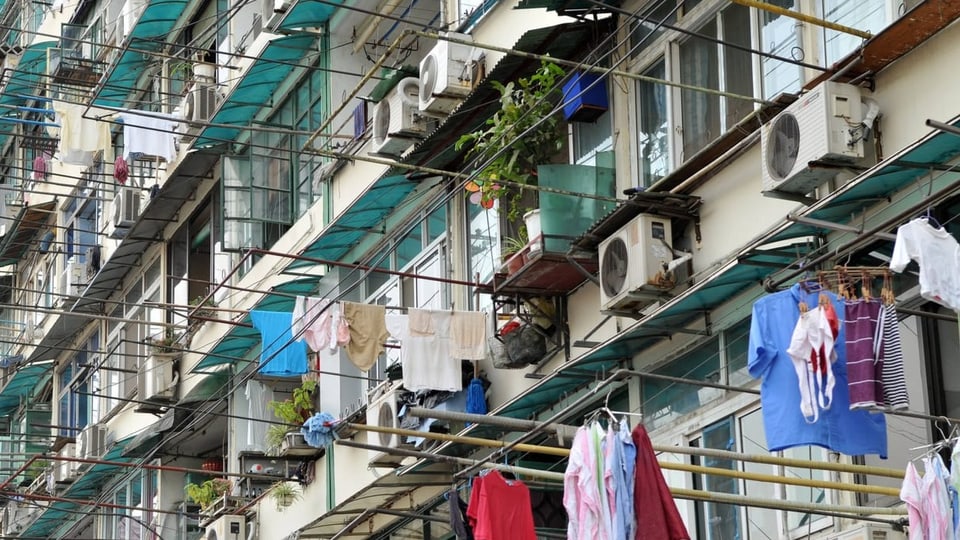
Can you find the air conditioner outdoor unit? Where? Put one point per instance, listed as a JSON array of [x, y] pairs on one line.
[[227, 527], [868, 532], [820, 126], [15, 518], [273, 10], [445, 75], [156, 380], [396, 119], [91, 442], [635, 263], [199, 103], [65, 471], [126, 207], [383, 410], [75, 278]]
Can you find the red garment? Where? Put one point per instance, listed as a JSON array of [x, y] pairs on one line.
[[39, 168], [656, 513], [500, 509], [818, 359], [120, 170]]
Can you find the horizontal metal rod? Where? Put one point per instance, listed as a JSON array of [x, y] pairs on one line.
[[803, 17]]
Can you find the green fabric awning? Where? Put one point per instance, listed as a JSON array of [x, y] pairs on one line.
[[257, 88], [23, 230], [308, 14], [150, 34], [22, 384], [23, 83], [241, 339], [215, 385], [87, 487]]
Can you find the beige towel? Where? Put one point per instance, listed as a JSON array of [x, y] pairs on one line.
[[468, 335], [368, 332], [421, 322]]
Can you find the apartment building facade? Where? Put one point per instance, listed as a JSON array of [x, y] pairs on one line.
[[299, 155]]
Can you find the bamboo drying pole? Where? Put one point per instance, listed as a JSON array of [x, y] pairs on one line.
[[696, 469], [856, 512], [803, 17], [565, 431]]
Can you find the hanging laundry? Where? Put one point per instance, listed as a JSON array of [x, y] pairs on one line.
[[80, 138], [812, 351], [468, 335], [618, 480], [121, 172], [864, 368], [280, 354], [953, 487], [928, 504], [937, 253], [425, 350], [891, 357], [581, 489], [458, 516], [39, 167], [318, 430], [500, 509], [258, 395], [317, 324], [476, 397], [838, 428], [149, 133], [367, 333], [656, 512]]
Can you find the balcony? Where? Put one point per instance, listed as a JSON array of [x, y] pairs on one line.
[[72, 67]]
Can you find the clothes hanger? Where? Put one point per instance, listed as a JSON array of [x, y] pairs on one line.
[[930, 219]]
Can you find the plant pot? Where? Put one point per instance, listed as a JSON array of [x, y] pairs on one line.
[[532, 221], [295, 445], [204, 72], [513, 264]]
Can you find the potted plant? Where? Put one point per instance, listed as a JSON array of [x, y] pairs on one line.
[[166, 343], [206, 493], [293, 411], [203, 309], [512, 250], [510, 145], [284, 493]]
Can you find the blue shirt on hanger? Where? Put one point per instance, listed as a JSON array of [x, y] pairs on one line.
[[279, 354], [839, 429]]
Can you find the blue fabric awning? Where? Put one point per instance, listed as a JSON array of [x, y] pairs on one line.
[[308, 14], [22, 384], [241, 339], [150, 34], [87, 487], [257, 87]]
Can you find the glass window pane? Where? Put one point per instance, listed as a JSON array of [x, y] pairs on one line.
[[719, 521], [737, 63], [699, 66], [735, 350], [761, 522], [778, 35], [664, 401], [410, 246], [483, 232], [653, 137], [867, 15], [648, 28], [801, 493]]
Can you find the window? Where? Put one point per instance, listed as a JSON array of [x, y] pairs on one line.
[[73, 405], [483, 241], [744, 434], [654, 126], [780, 35], [132, 518]]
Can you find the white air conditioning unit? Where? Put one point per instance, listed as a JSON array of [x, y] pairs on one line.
[[91, 442], [65, 471], [273, 10], [199, 103], [821, 126], [868, 532], [156, 379], [227, 527], [16, 518], [126, 207], [9, 63], [75, 278], [396, 119], [634, 263], [383, 410], [445, 75]]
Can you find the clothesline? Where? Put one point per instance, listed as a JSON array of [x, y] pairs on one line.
[[696, 469]]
